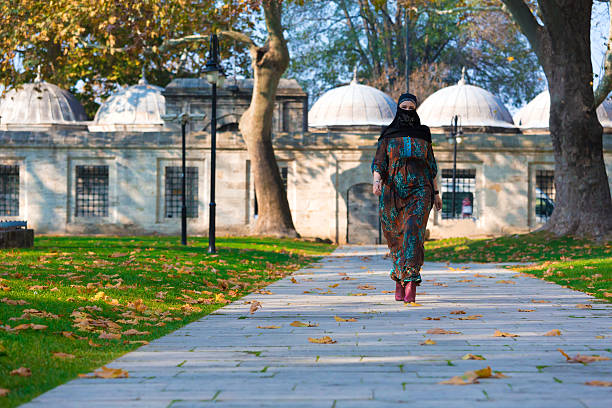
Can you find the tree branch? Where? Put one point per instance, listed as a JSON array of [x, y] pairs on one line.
[[605, 83], [525, 19]]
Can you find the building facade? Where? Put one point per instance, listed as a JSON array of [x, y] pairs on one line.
[[120, 174]]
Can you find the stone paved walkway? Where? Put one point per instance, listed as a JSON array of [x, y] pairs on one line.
[[225, 360]]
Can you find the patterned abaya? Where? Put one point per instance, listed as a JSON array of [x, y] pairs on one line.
[[408, 167]]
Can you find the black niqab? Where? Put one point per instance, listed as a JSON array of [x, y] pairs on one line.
[[406, 123]]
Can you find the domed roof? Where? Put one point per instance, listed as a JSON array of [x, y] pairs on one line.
[[474, 106], [536, 113], [40, 104], [137, 107], [352, 105]]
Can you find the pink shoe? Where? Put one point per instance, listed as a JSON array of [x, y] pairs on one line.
[[410, 292], [399, 291]]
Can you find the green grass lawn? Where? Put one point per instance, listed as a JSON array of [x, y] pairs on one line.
[[94, 299], [576, 263]]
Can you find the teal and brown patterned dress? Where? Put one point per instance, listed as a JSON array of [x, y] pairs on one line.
[[408, 167]]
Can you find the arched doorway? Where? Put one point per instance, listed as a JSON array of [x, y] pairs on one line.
[[363, 226]]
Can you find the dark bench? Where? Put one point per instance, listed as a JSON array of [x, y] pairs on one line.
[[15, 234]]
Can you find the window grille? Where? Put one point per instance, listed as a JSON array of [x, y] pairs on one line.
[[545, 194], [465, 185], [91, 191], [174, 190], [9, 190]]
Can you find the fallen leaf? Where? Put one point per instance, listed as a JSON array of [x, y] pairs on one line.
[[584, 359], [134, 332], [268, 327], [109, 336], [340, 319], [297, 323], [322, 340], [504, 334], [63, 355], [584, 306], [471, 377], [470, 317], [335, 285], [597, 383], [473, 357], [414, 304], [387, 291], [366, 287], [106, 372], [437, 330], [254, 306], [457, 312], [431, 318], [357, 294], [118, 255], [294, 280], [526, 310], [506, 281], [13, 302], [428, 341], [22, 371], [540, 301], [4, 392], [553, 332]]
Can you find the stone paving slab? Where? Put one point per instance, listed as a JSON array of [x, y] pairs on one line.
[[377, 361]]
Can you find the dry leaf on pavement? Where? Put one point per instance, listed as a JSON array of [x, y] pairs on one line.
[[254, 306], [598, 383], [428, 341], [504, 334], [473, 357], [268, 327], [437, 330], [341, 319], [553, 332], [322, 340], [106, 372], [297, 323], [584, 359]]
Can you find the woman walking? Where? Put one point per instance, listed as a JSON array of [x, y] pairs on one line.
[[404, 177]]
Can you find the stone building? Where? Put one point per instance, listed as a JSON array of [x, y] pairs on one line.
[[120, 173]]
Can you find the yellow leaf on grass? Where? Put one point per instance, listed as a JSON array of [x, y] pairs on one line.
[[504, 334], [428, 341], [438, 330], [118, 254], [22, 371], [341, 319], [297, 323], [268, 327], [553, 332], [597, 383], [63, 355], [322, 340], [134, 332], [473, 357]]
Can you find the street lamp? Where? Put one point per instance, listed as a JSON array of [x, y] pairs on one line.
[[184, 118], [455, 135], [215, 76]]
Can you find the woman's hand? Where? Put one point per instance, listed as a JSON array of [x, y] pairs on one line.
[[377, 184], [437, 202]]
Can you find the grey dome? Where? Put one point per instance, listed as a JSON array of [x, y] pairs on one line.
[[475, 107], [138, 107], [536, 113], [40, 104], [352, 105]]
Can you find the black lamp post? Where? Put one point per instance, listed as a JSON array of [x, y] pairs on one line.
[[214, 75], [455, 135], [184, 118]]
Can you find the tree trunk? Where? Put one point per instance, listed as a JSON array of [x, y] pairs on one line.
[[582, 194], [268, 62]]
